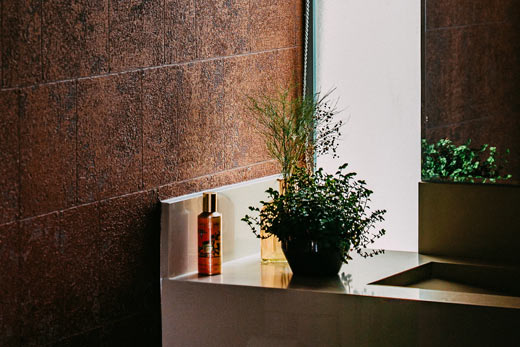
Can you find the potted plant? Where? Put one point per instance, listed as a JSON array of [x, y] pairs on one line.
[[319, 218], [296, 129]]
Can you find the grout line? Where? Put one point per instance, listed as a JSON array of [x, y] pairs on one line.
[[109, 55], [141, 96], [465, 26], [14, 221], [249, 25], [19, 129], [2, 42], [459, 123], [196, 29], [424, 66], [250, 166], [77, 127], [153, 67], [151, 190], [296, 32], [164, 32], [41, 39]]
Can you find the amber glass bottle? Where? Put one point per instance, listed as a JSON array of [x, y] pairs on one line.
[[271, 247], [209, 225]]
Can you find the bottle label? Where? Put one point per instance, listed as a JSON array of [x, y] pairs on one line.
[[209, 246]]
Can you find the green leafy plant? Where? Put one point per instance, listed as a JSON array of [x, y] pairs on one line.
[[330, 209], [296, 129], [445, 161]]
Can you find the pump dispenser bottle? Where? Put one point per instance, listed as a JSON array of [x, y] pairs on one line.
[[209, 225]]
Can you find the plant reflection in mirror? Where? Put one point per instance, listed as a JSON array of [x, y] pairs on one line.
[[445, 161]]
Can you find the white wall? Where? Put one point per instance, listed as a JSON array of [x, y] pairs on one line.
[[370, 51]]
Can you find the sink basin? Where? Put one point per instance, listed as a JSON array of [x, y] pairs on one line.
[[478, 279]]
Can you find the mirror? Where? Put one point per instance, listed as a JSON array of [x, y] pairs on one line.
[[406, 71], [470, 97]]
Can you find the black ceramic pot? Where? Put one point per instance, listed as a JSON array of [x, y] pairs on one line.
[[309, 259]]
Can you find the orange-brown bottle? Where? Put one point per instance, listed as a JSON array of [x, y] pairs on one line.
[[209, 225]]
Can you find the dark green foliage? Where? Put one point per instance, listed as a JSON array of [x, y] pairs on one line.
[[445, 161], [296, 129], [331, 210]]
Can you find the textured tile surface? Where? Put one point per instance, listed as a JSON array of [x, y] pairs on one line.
[[222, 27], [446, 13], [219, 179], [272, 24], [298, 25], [47, 148], [136, 34], [41, 271], [89, 273], [86, 339], [109, 136], [9, 175], [130, 234], [470, 73], [137, 330], [9, 285], [180, 40], [162, 89], [75, 38], [247, 76], [21, 42], [82, 242], [471, 80], [203, 133]]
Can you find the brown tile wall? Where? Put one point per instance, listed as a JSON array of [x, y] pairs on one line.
[[471, 74], [106, 107]]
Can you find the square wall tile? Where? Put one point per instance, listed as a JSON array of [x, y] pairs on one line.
[[136, 34], [85, 339], [449, 13], [272, 24], [219, 179], [41, 283], [47, 148], [469, 73], [247, 76], [75, 36], [185, 132], [9, 155], [130, 233], [162, 89], [109, 136], [81, 242], [222, 27], [299, 27], [137, 330], [180, 40], [21, 42], [204, 134], [9, 285]]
